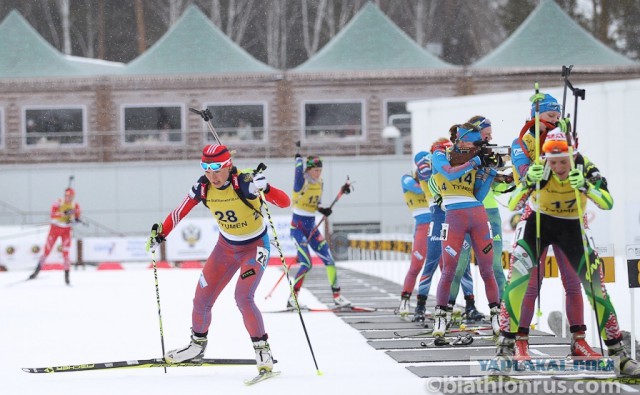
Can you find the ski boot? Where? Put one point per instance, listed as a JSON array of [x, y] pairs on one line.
[[35, 272], [339, 300], [454, 316], [624, 365], [440, 322], [405, 307], [495, 320], [66, 277], [502, 362], [521, 349], [580, 347], [471, 313], [264, 359], [291, 303], [192, 352], [421, 307]]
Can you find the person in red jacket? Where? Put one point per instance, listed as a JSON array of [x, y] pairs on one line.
[[233, 198], [64, 214]]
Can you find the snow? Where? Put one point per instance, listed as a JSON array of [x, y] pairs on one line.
[[113, 315]]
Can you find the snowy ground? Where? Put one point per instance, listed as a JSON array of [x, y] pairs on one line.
[[111, 316]]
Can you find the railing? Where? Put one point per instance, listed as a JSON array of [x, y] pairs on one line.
[[112, 146]]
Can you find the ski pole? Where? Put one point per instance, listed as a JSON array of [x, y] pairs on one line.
[[259, 169], [537, 161], [155, 275], [346, 188], [581, 93], [207, 116]]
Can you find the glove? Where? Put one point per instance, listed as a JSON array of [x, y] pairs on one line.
[[326, 211], [538, 97], [489, 160], [260, 181], [534, 174], [155, 238], [564, 125], [437, 199], [346, 188], [576, 179]]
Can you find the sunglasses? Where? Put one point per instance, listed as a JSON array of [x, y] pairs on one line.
[[215, 166]]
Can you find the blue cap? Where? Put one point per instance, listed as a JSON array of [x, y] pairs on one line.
[[470, 135], [549, 103]]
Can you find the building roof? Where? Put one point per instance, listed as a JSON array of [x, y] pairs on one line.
[[24, 53], [371, 41], [194, 45], [549, 37]]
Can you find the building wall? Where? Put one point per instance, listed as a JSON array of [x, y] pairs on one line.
[[129, 197]]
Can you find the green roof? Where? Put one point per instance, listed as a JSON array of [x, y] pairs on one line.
[[194, 45], [549, 37], [371, 41], [24, 53]]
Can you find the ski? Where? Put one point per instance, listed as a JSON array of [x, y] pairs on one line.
[[263, 375], [139, 363], [451, 341], [336, 309], [630, 380], [473, 329]]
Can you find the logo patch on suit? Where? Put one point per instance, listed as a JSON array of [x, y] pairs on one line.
[[248, 273], [488, 248], [451, 251]]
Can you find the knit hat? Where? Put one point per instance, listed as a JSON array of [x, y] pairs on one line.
[[469, 135], [480, 122], [423, 163], [441, 144], [549, 103], [215, 153], [314, 161], [555, 145]]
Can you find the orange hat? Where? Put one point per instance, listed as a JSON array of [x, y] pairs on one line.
[[555, 144]]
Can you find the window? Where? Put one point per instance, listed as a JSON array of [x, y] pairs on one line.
[[237, 122], [398, 116], [333, 120], [160, 124], [54, 126]]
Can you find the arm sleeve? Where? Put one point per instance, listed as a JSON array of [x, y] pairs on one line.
[[519, 197], [409, 184], [519, 159], [277, 197], [298, 180], [177, 214], [484, 179], [596, 186], [442, 165], [189, 202]]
